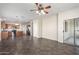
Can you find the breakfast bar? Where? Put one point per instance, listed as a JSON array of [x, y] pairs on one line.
[[8, 34]]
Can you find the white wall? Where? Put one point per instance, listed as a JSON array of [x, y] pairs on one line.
[[70, 14], [45, 27], [35, 28], [49, 27]]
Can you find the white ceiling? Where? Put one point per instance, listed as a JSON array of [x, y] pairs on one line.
[[20, 12]]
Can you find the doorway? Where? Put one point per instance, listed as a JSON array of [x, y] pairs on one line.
[[71, 31], [29, 29]]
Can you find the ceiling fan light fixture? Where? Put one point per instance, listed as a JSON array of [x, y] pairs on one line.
[[16, 24], [42, 11], [37, 12]]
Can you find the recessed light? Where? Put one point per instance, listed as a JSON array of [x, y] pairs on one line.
[[16, 24]]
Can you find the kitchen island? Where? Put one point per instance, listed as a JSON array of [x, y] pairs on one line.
[[8, 34]]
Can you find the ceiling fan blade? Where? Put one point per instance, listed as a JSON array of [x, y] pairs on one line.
[[33, 10], [36, 4], [47, 7], [40, 5], [46, 12]]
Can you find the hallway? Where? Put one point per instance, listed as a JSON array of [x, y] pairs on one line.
[[27, 46]]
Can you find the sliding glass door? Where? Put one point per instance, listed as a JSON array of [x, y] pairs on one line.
[[76, 30], [71, 31]]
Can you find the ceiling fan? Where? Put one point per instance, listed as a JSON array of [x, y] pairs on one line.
[[40, 9]]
